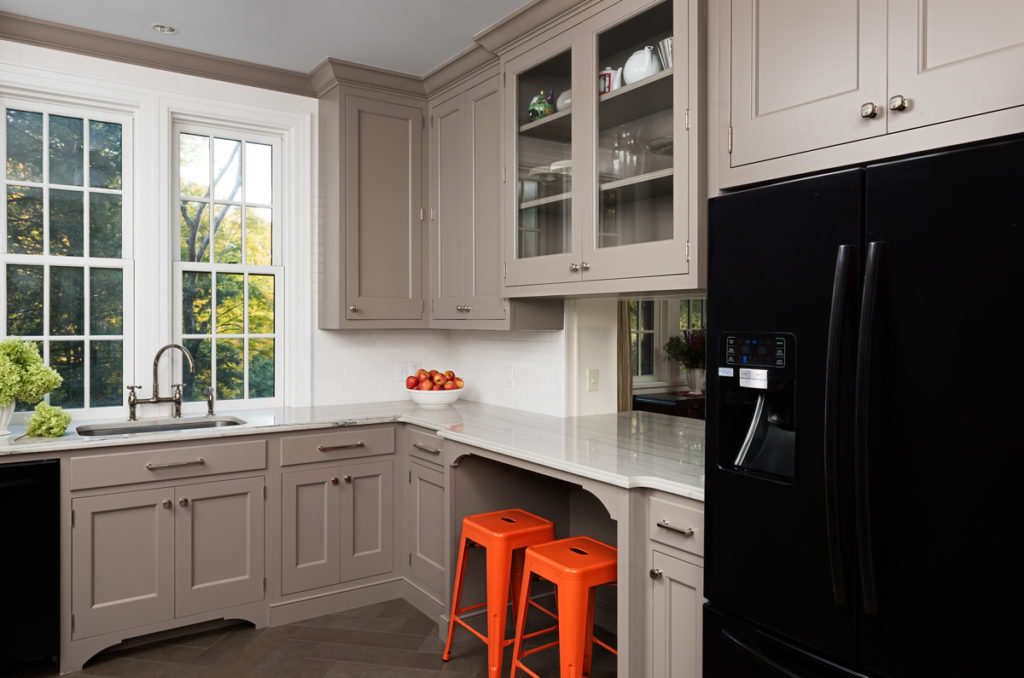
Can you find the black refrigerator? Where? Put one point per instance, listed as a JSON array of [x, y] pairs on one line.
[[864, 421]]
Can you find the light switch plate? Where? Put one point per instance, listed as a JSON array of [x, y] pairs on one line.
[[592, 380]]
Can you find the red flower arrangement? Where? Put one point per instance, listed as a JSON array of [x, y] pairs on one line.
[[688, 349]]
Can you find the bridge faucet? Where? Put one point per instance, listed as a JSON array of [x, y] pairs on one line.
[[176, 393]]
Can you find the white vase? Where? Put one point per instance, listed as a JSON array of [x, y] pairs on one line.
[[695, 379], [5, 417]]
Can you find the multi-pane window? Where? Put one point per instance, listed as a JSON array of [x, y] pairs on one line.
[[691, 314], [228, 263], [641, 337], [65, 233]]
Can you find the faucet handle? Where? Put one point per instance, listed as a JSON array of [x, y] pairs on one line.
[[132, 388], [210, 394]]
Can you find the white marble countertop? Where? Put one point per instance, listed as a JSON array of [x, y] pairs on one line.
[[630, 449]]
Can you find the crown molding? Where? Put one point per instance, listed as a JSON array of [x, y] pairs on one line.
[[31, 31], [332, 71], [526, 19], [460, 67]]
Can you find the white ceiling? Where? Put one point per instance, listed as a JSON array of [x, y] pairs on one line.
[[409, 36]]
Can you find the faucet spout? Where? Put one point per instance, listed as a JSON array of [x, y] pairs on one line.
[[156, 362]]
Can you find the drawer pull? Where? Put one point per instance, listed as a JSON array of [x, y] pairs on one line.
[[685, 531], [426, 448], [346, 446], [173, 464]]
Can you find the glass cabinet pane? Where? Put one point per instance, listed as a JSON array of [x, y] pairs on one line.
[[544, 158], [634, 131]]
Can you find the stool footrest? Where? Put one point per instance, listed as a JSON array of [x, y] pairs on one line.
[[544, 610], [606, 646], [471, 607], [471, 629]]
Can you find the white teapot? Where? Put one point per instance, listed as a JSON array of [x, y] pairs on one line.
[[641, 64]]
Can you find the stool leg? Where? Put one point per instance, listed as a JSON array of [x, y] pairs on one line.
[[588, 642], [460, 570], [572, 617], [499, 567], [523, 605], [518, 556]]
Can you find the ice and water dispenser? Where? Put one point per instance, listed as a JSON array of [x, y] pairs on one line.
[[755, 403]]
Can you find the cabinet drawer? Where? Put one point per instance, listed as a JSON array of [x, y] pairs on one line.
[[167, 463], [332, 444], [425, 446], [677, 524]]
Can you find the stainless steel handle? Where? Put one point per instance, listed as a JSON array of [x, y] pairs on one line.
[[899, 103], [183, 501], [467, 308], [353, 308], [347, 479], [656, 574], [584, 266], [869, 110], [421, 446], [685, 531], [167, 503], [574, 268], [172, 464], [346, 446]]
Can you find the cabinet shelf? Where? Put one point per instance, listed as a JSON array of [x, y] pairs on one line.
[[544, 201], [554, 127], [652, 177], [637, 100]]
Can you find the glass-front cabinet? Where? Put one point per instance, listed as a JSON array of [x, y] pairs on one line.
[[601, 166]]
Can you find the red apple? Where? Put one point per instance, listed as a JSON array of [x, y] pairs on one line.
[[433, 373], [411, 382], [426, 385], [439, 379], [421, 373], [449, 385], [437, 387], [449, 374], [458, 382]]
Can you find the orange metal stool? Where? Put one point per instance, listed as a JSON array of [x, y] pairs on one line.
[[504, 534], [575, 566]]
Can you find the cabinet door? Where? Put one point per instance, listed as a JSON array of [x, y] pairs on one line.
[[425, 521], [122, 555], [219, 545], [643, 220], [383, 210], [483, 163], [954, 59], [310, 529], [801, 70], [677, 597], [367, 520], [451, 260]]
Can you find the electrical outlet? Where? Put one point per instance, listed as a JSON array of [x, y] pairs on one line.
[[592, 380]]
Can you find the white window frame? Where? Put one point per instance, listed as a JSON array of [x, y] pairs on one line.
[[86, 111], [667, 373], [155, 100], [276, 269]]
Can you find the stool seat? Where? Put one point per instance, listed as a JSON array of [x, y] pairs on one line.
[[504, 534], [575, 566]]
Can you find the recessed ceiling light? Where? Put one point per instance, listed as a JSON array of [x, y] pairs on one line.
[[166, 29]]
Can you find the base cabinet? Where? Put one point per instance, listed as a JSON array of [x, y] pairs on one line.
[[677, 598], [151, 555], [425, 521], [337, 524]]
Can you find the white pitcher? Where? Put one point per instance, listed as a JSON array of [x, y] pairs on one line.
[[641, 64]]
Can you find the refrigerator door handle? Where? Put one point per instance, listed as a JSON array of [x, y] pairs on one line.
[[803, 660], [862, 428], [749, 438], [844, 257], [758, 655]]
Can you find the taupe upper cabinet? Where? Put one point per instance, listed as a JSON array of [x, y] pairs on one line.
[[372, 212], [604, 188], [812, 85]]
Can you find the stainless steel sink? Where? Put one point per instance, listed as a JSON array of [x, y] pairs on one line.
[[157, 425]]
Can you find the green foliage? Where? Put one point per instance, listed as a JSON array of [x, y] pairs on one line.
[[48, 421], [23, 376], [687, 349]]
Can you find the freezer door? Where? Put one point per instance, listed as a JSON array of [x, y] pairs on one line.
[[733, 649], [943, 418], [772, 556]]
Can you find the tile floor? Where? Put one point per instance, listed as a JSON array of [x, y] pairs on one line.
[[386, 640]]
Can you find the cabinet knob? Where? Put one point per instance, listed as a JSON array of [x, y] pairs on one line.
[[167, 503], [899, 103], [584, 266], [656, 574], [574, 268], [869, 110], [334, 481], [183, 501], [353, 308], [347, 479], [467, 308]]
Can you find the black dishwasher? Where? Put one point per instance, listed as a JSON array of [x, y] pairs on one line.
[[29, 561]]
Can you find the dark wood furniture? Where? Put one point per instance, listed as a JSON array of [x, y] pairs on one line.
[[678, 403]]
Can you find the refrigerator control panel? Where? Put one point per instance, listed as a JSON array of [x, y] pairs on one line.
[[755, 350]]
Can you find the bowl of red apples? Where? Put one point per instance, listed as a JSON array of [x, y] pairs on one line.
[[431, 388]]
